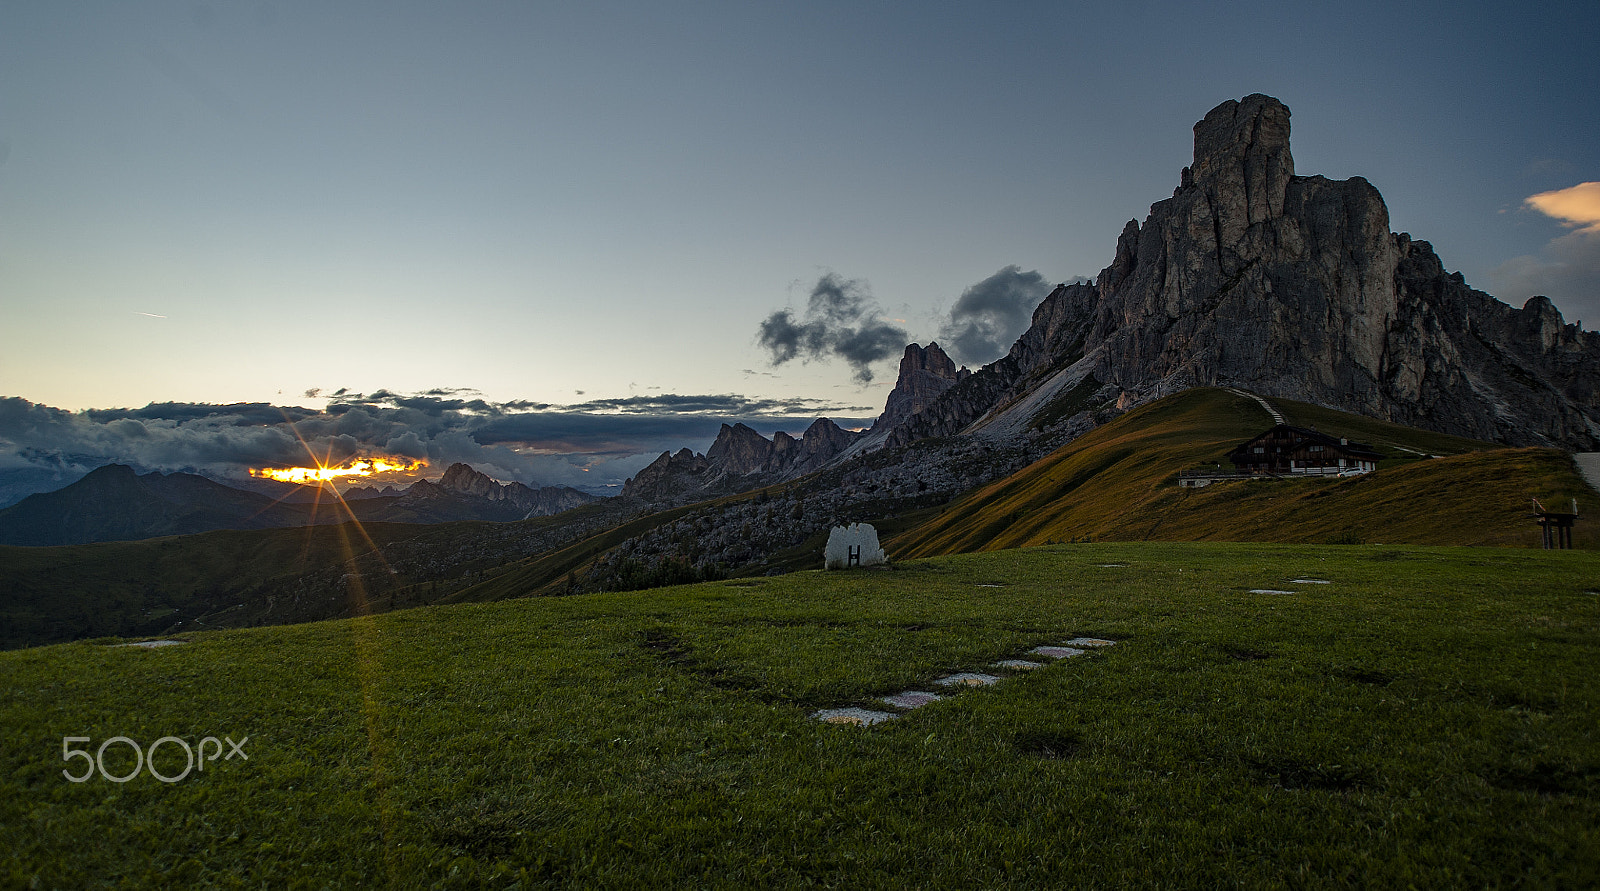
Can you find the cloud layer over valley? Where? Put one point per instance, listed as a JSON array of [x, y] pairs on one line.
[[593, 445]]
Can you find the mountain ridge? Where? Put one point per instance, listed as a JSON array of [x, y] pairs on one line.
[[116, 503], [737, 460]]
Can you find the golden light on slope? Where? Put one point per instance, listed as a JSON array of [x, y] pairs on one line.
[[357, 467]]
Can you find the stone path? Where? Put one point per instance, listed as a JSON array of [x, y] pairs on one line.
[[859, 716], [1292, 582], [152, 644], [967, 679], [910, 699]]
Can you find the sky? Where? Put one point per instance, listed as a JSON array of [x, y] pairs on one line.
[[558, 238]]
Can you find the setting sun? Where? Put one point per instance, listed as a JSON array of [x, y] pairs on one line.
[[323, 474]]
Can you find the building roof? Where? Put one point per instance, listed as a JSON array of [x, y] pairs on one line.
[[1307, 436]]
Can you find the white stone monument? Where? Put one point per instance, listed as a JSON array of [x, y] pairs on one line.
[[853, 545]]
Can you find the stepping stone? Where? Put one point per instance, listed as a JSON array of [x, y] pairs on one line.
[[967, 679], [911, 699], [858, 716], [991, 586], [1310, 581], [1112, 565], [1270, 591], [1090, 642], [1018, 664], [1057, 652], [152, 644]]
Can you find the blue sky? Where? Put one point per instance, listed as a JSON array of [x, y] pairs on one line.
[[559, 203]]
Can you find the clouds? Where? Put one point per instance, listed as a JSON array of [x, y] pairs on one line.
[[1578, 206], [1567, 270], [593, 445], [991, 315], [842, 321]]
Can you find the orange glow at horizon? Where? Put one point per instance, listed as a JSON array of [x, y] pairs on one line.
[[328, 473]]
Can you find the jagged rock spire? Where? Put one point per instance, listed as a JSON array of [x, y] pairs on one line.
[[925, 374], [1242, 162]]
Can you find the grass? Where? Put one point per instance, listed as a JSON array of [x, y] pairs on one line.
[[1119, 483], [1427, 719]]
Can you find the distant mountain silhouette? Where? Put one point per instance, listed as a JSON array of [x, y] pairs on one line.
[[115, 503]]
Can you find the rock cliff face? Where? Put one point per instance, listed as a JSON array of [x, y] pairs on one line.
[[1293, 286]]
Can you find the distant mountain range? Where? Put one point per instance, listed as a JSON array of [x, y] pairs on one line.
[[115, 503]]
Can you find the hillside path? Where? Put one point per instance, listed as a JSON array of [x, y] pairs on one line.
[[1277, 418], [1589, 465]]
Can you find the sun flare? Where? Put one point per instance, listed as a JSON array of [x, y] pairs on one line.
[[320, 474]]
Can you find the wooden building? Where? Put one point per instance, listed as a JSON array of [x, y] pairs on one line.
[[1290, 450]]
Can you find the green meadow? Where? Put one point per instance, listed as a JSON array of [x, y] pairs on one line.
[[1428, 718]]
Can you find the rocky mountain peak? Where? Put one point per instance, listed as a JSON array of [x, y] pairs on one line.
[[463, 479], [515, 499], [930, 359], [738, 459], [740, 450], [1291, 286], [925, 374], [1242, 163]]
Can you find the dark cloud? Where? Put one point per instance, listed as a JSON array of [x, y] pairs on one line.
[[842, 321], [726, 404], [991, 315], [592, 445], [617, 426], [238, 414]]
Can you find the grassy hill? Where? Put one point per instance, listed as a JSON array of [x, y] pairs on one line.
[[1426, 719], [1118, 483]]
